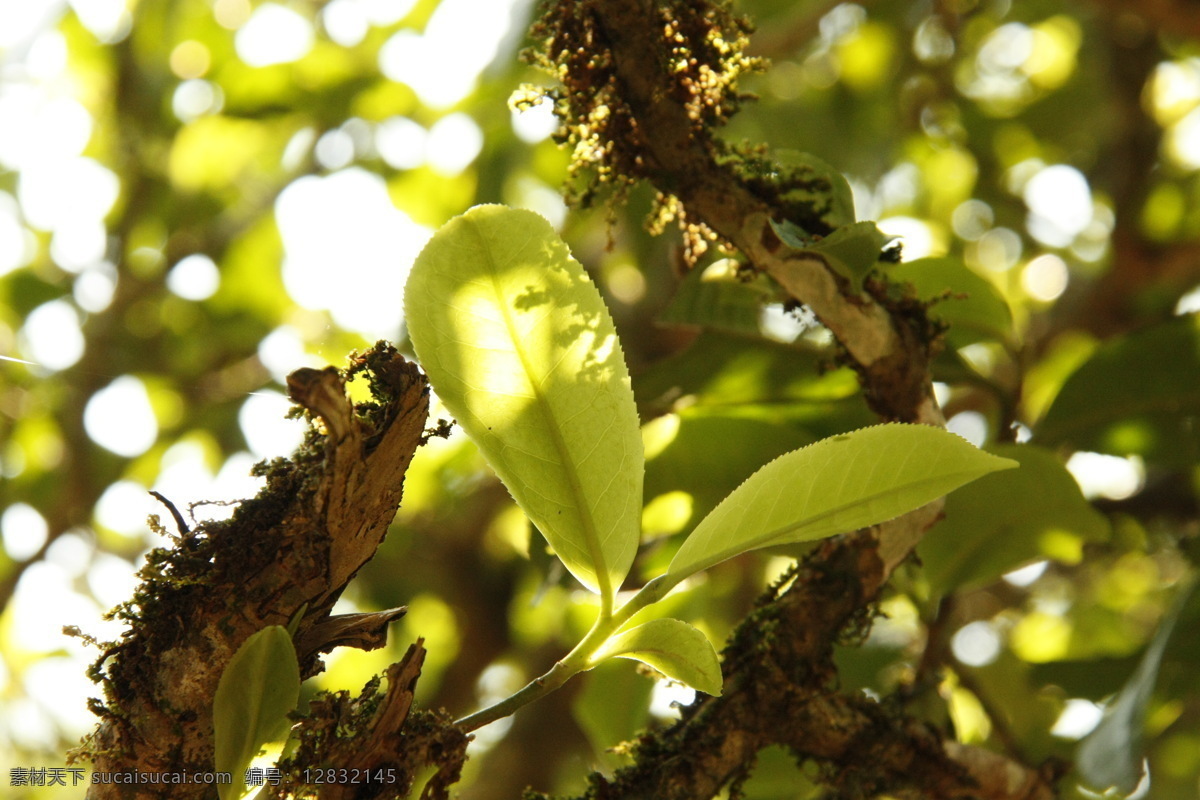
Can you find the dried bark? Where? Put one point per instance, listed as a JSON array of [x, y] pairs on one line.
[[290, 551]]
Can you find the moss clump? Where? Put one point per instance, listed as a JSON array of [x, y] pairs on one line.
[[700, 51]]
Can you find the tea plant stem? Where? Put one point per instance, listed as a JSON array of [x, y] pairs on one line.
[[580, 659], [573, 663]]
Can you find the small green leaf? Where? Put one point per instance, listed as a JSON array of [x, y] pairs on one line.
[[791, 234], [519, 346], [836, 485], [851, 251], [1009, 519], [258, 689], [838, 198], [715, 297], [1112, 754], [974, 309], [1137, 394], [672, 647]]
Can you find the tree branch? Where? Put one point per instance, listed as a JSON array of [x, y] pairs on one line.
[[295, 546], [653, 78]]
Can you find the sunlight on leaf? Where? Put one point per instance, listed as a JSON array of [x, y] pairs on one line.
[[834, 486], [518, 344], [672, 647]]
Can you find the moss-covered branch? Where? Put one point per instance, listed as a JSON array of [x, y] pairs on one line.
[[292, 549]]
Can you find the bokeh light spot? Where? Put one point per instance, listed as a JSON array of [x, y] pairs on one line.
[[1045, 278], [443, 64], [190, 59], [120, 418], [347, 219], [194, 277], [454, 142], [535, 122], [970, 425], [94, 189], [917, 237], [195, 98], [976, 644], [93, 290], [51, 336], [24, 531], [1060, 204], [273, 34], [401, 142], [1078, 718], [123, 507], [667, 696], [1102, 475]]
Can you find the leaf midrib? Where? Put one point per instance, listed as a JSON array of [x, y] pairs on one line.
[[765, 540], [589, 527]]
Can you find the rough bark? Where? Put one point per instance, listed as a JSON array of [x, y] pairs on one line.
[[288, 552]]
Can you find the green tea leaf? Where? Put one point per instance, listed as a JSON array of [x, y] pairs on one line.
[[725, 371], [1137, 394], [258, 689], [747, 402], [1112, 754], [852, 250], [1009, 519], [975, 310], [714, 297], [838, 199], [791, 234], [519, 346], [672, 647], [836, 485]]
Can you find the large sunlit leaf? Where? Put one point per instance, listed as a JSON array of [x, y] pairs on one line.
[[1112, 754], [836, 485], [258, 689], [1137, 394], [1005, 520], [519, 346], [672, 647]]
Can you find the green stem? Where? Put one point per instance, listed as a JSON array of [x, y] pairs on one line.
[[574, 662]]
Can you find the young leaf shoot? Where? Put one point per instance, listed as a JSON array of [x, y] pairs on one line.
[[671, 646]]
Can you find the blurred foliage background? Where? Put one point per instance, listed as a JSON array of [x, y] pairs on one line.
[[198, 197]]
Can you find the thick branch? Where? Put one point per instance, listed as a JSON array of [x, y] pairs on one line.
[[295, 546], [669, 144]]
